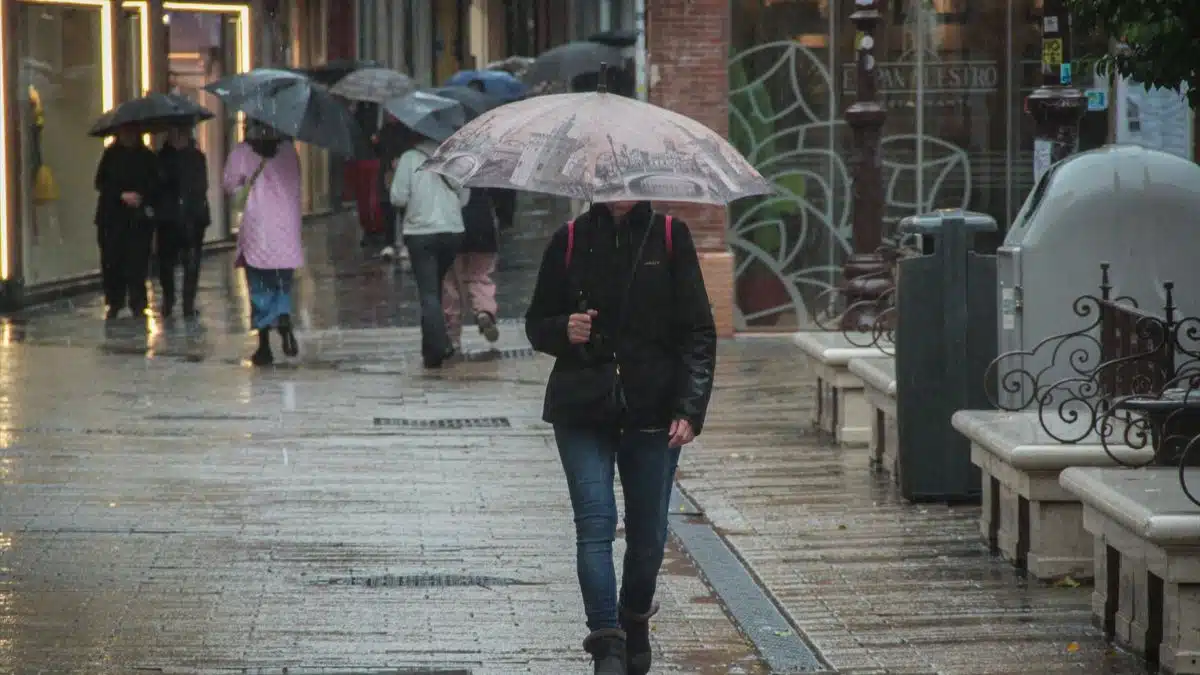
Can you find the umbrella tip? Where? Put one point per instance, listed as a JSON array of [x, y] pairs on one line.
[[602, 86]]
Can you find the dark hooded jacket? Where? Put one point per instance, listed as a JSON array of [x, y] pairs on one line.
[[125, 168], [184, 196], [667, 347]]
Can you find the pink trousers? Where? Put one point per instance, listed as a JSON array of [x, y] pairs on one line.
[[470, 276]]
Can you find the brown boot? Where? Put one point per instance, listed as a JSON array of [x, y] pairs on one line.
[[607, 647], [637, 633]]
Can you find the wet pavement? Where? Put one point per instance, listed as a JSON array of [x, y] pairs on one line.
[[166, 508], [877, 584]]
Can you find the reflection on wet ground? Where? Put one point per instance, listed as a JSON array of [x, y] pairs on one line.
[[171, 511]]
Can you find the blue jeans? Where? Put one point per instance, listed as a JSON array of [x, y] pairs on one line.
[[647, 469]]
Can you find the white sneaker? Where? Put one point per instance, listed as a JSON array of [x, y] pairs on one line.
[[388, 253], [404, 253]]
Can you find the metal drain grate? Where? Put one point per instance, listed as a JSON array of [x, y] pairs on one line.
[[477, 355], [756, 614], [451, 423], [426, 581]]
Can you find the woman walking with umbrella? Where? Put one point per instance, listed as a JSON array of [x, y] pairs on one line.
[[620, 303], [263, 173], [183, 217], [128, 181]]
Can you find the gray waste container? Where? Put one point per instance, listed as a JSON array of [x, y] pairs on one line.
[[1136, 208], [945, 339]]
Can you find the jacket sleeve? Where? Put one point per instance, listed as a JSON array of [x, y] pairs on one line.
[[101, 179], [546, 319], [695, 330], [235, 168], [400, 190]]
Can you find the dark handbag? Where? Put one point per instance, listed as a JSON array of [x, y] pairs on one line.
[[592, 395]]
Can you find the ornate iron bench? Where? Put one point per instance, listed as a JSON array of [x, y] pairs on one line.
[[1045, 425], [852, 329]]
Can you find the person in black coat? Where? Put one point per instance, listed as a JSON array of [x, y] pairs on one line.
[[183, 217], [620, 303], [128, 180]]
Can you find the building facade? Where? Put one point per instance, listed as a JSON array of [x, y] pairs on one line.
[[68, 61], [953, 75]]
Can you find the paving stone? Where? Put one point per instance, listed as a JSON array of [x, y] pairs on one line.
[[180, 514]]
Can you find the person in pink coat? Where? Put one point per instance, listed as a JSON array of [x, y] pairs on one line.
[[269, 245]]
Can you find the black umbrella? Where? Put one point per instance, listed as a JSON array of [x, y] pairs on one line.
[[294, 106], [566, 62], [618, 37], [329, 73], [152, 112], [475, 103]]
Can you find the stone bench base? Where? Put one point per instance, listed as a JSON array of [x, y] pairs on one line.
[[1147, 559], [1027, 516], [878, 377], [842, 409]]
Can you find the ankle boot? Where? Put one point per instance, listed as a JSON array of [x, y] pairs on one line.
[[263, 356], [637, 634], [607, 648], [288, 336]]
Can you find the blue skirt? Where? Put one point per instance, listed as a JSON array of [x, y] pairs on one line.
[[270, 295]]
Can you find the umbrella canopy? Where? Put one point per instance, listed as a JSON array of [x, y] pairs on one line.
[[598, 147], [373, 85], [496, 83], [434, 117], [294, 106], [566, 62], [618, 37], [329, 73], [474, 103], [152, 112]]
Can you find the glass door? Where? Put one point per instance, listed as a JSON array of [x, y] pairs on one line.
[[204, 43]]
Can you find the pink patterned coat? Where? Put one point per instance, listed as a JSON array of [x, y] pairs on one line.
[[269, 237]]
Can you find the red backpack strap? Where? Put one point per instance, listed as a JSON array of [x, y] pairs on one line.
[[570, 241], [670, 236]]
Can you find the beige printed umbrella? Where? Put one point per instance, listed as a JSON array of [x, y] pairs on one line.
[[597, 147]]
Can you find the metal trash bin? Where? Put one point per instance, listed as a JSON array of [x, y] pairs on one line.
[[945, 339], [1126, 205]]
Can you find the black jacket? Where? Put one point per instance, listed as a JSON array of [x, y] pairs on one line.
[[667, 350], [183, 199], [479, 224], [125, 168]]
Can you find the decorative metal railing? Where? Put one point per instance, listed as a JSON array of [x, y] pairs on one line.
[[868, 319], [1132, 381]]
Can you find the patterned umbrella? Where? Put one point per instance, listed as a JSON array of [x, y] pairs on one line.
[[374, 85], [151, 112], [597, 147], [294, 106], [566, 62]]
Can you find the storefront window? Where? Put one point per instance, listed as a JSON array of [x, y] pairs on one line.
[[203, 46], [62, 90], [952, 75]]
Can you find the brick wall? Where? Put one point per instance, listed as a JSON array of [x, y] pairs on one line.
[[688, 45]]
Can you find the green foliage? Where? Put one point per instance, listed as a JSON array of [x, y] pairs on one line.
[[1161, 40]]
